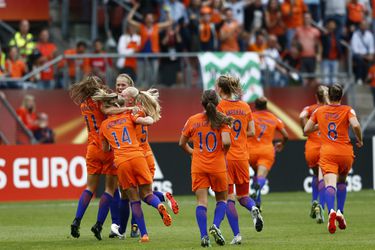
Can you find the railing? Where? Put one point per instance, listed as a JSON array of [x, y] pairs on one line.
[[187, 60], [24, 130]]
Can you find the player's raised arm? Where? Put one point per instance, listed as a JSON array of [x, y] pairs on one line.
[[183, 143], [131, 15], [357, 130], [144, 120]]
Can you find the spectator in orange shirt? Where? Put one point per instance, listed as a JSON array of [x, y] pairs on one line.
[[83, 64], [149, 32], [292, 12], [217, 7], [356, 13], [27, 112], [99, 65], [274, 22], [259, 45], [207, 32], [309, 38], [48, 51], [14, 66], [229, 33]]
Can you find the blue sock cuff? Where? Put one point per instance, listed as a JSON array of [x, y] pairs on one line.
[[332, 187], [231, 201], [200, 207], [220, 202], [88, 192], [108, 195], [135, 202], [321, 181]]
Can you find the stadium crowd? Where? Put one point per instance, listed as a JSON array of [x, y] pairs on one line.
[[307, 36]]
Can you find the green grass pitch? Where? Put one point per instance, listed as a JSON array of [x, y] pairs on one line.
[[46, 225]]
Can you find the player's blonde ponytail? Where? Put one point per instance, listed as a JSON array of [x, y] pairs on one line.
[[216, 119], [149, 101]]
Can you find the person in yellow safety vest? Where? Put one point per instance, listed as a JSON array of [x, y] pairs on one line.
[[23, 40], [2, 61]]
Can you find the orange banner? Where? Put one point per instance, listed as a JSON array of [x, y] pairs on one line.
[[42, 172], [32, 10]]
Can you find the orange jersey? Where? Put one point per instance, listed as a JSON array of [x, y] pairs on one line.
[[90, 110], [265, 125], [333, 121], [242, 115], [208, 153], [371, 75], [313, 138], [142, 135], [119, 131]]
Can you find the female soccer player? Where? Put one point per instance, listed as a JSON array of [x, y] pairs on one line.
[[260, 146], [97, 161], [119, 133], [229, 89], [312, 149], [123, 82], [210, 133], [336, 152]]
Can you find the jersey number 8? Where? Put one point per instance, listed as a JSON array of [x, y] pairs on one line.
[[332, 133]]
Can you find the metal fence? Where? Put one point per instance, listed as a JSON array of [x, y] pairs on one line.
[[161, 69]]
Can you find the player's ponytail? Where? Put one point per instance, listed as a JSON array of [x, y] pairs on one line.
[[230, 85], [216, 119], [108, 99], [86, 88], [322, 94], [149, 100]]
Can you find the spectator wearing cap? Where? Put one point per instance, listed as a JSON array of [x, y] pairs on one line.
[[99, 65], [309, 38], [48, 51], [83, 65], [128, 44], [149, 33], [207, 32], [229, 33], [292, 12], [362, 45], [274, 22], [331, 52], [23, 40]]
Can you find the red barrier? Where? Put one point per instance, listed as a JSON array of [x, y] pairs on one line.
[[42, 172]]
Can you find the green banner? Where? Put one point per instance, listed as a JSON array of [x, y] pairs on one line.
[[242, 65]]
